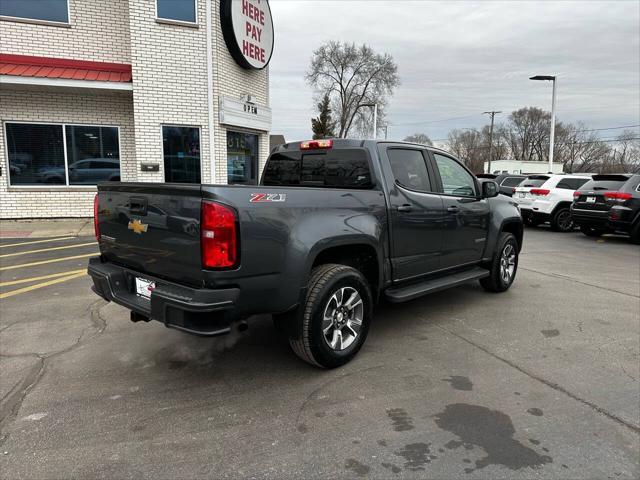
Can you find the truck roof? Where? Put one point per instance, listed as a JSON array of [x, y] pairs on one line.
[[354, 143]]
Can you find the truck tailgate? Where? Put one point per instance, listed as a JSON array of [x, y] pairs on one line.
[[152, 229]]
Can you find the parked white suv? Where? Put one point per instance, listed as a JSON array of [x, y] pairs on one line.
[[548, 198]]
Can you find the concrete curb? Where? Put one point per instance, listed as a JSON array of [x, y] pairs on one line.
[[46, 228]]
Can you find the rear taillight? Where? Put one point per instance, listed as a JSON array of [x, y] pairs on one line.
[[576, 194], [513, 190], [96, 223], [316, 145], [540, 191], [617, 196], [218, 236]]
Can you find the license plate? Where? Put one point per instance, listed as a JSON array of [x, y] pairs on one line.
[[144, 287], [522, 194], [591, 199]]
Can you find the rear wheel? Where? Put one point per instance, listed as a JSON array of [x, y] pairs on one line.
[[332, 324], [561, 220], [591, 231], [504, 265]]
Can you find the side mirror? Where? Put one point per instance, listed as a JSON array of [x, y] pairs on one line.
[[490, 189]]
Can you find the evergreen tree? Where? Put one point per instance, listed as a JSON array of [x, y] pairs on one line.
[[323, 126]]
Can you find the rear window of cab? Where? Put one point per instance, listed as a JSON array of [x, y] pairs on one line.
[[338, 168], [534, 181], [606, 182]]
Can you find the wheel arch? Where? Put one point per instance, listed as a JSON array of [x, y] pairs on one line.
[[516, 228], [359, 254], [562, 204]]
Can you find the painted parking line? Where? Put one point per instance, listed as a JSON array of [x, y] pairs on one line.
[[57, 239], [41, 285], [44, 262], [15, 254], [43, 277]]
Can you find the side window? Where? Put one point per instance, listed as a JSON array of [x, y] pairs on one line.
[[409, 169], [572, 183], [455, 179]]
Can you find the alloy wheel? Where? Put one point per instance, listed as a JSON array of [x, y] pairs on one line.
[[342, 318], [507, 263]]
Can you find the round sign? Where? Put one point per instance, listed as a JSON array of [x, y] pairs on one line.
[[247, 28]]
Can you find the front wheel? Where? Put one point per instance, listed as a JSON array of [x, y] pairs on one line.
[[332, 324], [504, 265], [561, 220]]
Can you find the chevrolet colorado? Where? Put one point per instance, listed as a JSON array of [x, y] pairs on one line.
[[334, 226]]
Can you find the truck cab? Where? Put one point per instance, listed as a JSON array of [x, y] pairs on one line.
[[334, 226]]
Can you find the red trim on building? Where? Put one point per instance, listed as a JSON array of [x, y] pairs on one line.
[[45, 67]]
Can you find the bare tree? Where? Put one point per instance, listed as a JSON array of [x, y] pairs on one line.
[[468, 145], [528, 134], [420, 138], [626, 153], [352, 76]]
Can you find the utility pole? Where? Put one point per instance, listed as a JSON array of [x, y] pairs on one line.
[[492, 114], [375, 121]]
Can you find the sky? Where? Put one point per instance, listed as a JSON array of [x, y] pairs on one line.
[[461, 58]]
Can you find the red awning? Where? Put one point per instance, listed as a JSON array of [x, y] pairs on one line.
[[45, 67]]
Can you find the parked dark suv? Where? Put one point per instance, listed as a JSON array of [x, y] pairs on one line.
[[506, 181], [608, 204]]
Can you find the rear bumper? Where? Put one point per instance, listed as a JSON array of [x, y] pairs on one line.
[[197, 311], [590, 218]]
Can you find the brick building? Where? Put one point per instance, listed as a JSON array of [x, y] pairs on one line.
[[131, 90]]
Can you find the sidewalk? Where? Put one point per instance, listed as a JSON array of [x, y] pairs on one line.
[[46, 228]]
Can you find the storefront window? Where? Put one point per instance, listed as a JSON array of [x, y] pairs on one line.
[[36, 154], [242, 158], [93, 155], [177, 10], [46, 10], [181, 154]]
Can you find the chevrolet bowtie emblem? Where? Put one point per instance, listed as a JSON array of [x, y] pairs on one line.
[[138, 227]]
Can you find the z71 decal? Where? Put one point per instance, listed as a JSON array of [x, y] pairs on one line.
[[268, 197]]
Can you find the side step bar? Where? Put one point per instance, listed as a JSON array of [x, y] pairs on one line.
[[415, 290]]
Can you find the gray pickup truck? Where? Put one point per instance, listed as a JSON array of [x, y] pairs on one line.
[[334, 227]]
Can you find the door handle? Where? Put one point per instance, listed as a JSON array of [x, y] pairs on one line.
[[453, 209], [405, 208]]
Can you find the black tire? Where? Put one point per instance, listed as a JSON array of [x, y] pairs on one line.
[[591, 232], [495, 282], [561, 220], [635, 233], [305, 334], [530, 221]]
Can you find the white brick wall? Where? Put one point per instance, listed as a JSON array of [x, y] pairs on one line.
[[56, 107], [169, 82], [232, 80], [169, 88], [99, 32]]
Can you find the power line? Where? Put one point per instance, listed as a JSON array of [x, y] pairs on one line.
[[433, 121], [516, 131], [558, 144]]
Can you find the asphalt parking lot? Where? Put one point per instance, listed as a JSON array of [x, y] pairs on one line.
[[542, 381]]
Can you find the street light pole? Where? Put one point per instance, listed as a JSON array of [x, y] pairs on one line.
[[375, 121], [493, 114], [553, 115], [375, 117], [552, 137]]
